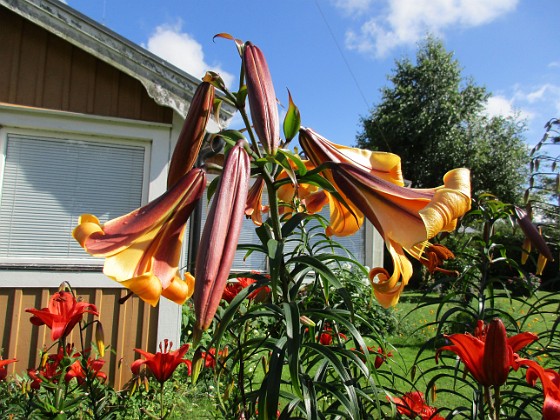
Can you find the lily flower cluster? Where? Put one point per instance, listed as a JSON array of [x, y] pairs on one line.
[[61, 316], [142, 249]]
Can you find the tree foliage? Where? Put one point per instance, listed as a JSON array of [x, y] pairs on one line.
[[433, 118]]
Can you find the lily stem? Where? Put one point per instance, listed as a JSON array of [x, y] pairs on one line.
[[161, 405], [490, 401]]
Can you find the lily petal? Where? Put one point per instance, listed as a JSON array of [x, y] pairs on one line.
[[143, 248], [384, 165], [388, 288]]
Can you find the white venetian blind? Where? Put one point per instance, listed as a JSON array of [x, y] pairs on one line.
[[256, 261], [355, 244], [47, 183]]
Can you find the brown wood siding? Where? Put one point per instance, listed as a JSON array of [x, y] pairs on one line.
[[127, 326], [39, 69]]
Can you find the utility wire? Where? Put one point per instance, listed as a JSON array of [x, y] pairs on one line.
[[342, 54]]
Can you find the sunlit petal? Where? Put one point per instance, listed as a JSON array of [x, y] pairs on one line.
[[388, 288], [143, 248], [384, 165]]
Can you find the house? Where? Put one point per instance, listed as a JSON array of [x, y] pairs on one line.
[[88, 121], [87, 125]]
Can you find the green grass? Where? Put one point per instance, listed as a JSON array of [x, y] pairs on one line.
[[415, 327]]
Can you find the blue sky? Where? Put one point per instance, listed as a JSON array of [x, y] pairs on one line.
[[335, 55]]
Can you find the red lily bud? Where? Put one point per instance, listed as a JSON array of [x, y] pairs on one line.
[[219, 237], [192, 134], [498, 356], [262, 98]]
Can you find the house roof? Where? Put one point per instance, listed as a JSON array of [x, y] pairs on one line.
[[166, 84]]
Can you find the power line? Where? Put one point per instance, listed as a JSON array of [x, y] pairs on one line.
[[341, 53]]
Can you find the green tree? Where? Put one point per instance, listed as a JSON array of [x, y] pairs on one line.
[[433, 118]]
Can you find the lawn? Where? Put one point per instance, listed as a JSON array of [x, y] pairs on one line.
[[416, 326]]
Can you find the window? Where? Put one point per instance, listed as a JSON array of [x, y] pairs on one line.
[[47, 182], [355, 244]]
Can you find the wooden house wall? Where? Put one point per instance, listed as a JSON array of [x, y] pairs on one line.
[[126, 326], [40, 69]]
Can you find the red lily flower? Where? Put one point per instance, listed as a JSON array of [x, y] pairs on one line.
[[490, 355], [50, 368], [326, 337], [259, 292], [210, 357], [551, 387], [163, 363], [381, 357], [231, 290], [62, 315], [77, 371], [412, 404], [3, 370]]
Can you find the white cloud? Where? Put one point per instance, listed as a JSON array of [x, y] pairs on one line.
[[546, 97], [182, 50], [500, 106], [405, 22], [353, 6]]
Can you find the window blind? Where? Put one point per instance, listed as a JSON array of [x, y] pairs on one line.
[[48, 182]]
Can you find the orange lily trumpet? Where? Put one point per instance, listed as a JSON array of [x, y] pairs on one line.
[[533, 237], [142, 249], [371, 185], [219, 238], [254, 208]]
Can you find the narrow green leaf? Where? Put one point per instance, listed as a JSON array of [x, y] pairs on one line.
[[291, 314]]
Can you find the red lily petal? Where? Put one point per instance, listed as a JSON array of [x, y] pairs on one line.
[[517, 342]]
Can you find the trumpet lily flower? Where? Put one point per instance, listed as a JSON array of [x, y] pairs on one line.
[[371, 185], [406, 218], [219, 238], [490, 355], [311, 198], [551, 387], [163, 363], [254, 208], [62, 314], [192, 133], [3, 369], [262, 98], [143, 248]]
